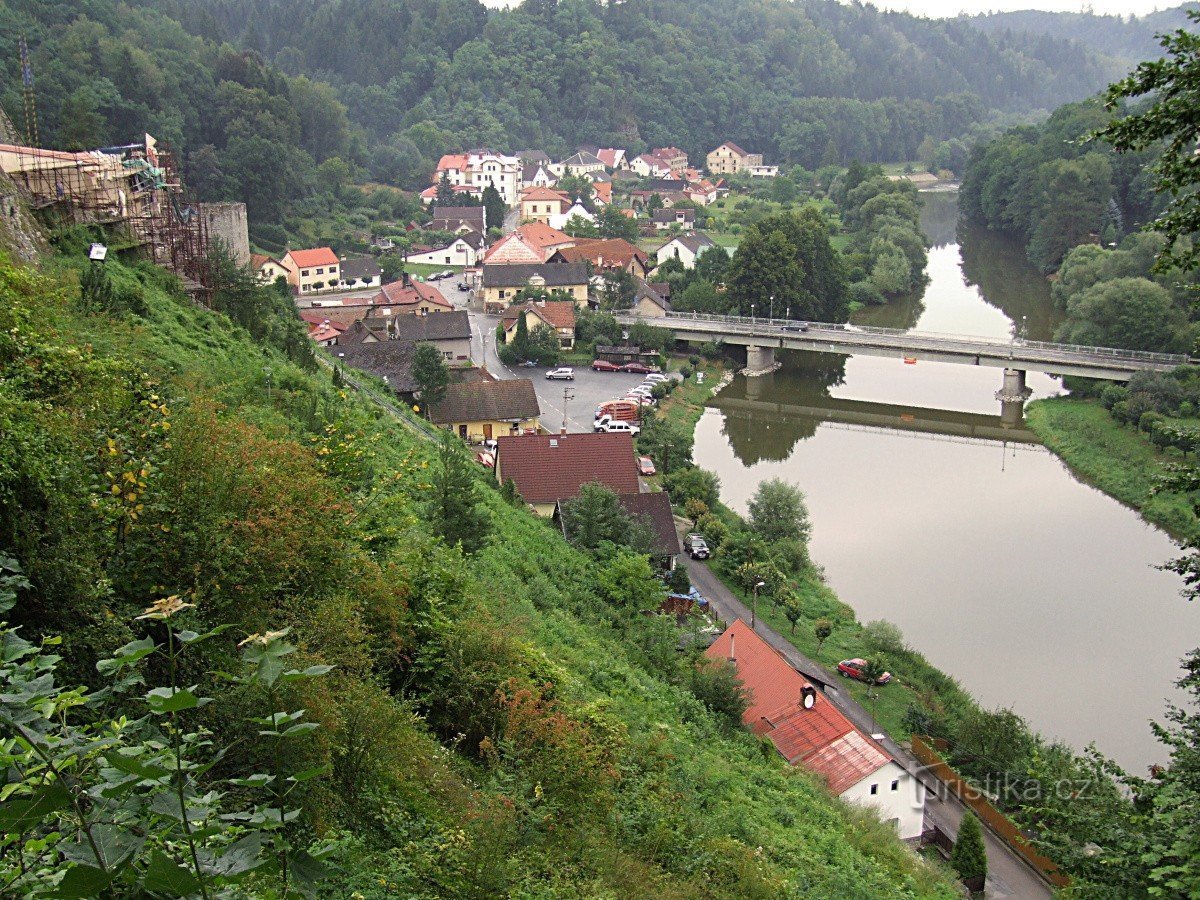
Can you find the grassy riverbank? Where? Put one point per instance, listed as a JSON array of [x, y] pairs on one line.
[[1117, 459]]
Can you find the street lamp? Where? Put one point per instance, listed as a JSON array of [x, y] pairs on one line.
[[751, 313], [754, 606], [772, 319]]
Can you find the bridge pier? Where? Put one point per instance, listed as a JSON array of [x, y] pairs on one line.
[[1012, 396], [759, 361]]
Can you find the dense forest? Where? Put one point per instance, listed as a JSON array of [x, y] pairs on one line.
[[1130, 39], [282, 102]]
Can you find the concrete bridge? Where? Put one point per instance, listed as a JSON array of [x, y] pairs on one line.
[[762, 337]]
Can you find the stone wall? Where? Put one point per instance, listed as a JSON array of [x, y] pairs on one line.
[[20, 235], [227, 226]]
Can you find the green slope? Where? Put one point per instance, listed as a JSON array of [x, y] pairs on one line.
[[496, 725]]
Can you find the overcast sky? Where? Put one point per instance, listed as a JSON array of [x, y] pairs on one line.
[[943, 8]]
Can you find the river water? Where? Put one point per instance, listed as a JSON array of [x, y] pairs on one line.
[[1036, 591]]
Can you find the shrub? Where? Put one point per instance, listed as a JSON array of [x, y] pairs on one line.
[[712, 528], [685, 372], [968, 856], [1112, 394], [884, 636], [695, 508], [715, 684], [694, 360]]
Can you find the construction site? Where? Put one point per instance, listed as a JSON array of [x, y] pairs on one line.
[[134, 191]]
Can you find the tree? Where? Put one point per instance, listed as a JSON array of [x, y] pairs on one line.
[[595, 516], [763, 266], [694, 484], [1131, 313], [446, 195], [822, 628], [431, 374], [778, 513], [715, 683], [452, 510], [613, 223], [793, 612], [495, 209], [1172, 117], [969, 858]]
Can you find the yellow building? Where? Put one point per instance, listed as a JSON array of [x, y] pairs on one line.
[[484, 410], [502, 283], [729, 159]]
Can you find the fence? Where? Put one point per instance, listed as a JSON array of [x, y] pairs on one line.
[[1000, 824]]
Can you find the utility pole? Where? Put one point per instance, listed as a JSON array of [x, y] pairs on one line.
[[568, 396]]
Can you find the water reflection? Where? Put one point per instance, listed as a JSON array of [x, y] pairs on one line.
[[930, 511]]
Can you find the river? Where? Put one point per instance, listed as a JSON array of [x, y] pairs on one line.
[[1036, 591]]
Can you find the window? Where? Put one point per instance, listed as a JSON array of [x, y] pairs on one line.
[[896, 785], [874, 789], [320, 271], [447, 259], [304, 272]]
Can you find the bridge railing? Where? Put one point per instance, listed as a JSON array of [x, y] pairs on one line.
[[753, 324]]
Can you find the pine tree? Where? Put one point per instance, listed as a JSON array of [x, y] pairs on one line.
[[495, 209], [452, 511], [968, 857], [445, 191]]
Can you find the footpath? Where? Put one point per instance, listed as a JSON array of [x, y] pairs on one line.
[[1008, 874]]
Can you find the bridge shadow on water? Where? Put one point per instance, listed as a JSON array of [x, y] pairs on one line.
[[765, 417]]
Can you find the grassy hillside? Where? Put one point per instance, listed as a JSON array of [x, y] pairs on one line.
[[499, 723]]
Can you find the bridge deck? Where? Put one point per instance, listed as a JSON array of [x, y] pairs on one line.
[[1037, 356]]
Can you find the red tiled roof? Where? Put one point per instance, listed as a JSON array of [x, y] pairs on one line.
[[541, 235], [735, 148], [318, 317], [608, 253], [821, 739], [452, 161], [543, 193], [318, 256], [555, 313], [552, 467], [608, 156], [401, 293]]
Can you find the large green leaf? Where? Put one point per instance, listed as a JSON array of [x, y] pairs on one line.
[[82, 881], [169, 700], [166, 877], [22, 813], [127, 656]]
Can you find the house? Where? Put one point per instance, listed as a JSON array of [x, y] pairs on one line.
[[390, 360], [429, 195], [321, 329], [362, 272], [762, 171], [410, 297], [649, 302], [649, 166], [702, 192], [464, 250], [672, 157], [537, 175], [309, 271], [729, 159], [546, 468], [665, 218], [612, 158], [533, 156], [655, 509], [530, 243], [558, 314], [807, 730], [267, 268], [501, 284], [450, 333], [577, 212], [602, 191], [541, 204], [685, 247], [482, 410], [605, 255], [459, 219], [580, 164], [476, 169]]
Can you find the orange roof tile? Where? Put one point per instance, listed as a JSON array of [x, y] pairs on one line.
[[318, 256], [402, 293], [544, 193], [821, 739], [452, 161], [547, 467]]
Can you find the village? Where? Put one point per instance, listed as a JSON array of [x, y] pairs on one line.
[[502, 303]]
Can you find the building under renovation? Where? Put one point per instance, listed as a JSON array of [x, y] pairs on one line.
[[133, 188]]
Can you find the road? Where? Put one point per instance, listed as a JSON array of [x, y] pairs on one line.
[[1008, 874]]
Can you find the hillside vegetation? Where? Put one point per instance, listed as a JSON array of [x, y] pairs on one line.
[[497, 723]]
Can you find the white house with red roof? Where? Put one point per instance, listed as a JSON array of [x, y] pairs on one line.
[[312, 270], [650, 166], [474, 170], [808, 730]]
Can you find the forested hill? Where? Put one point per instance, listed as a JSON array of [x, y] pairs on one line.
[[1130, 39], [798, 81]]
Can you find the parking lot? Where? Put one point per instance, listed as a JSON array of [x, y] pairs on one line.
[[587, 391]]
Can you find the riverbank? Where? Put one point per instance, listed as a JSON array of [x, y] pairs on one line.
[[1116, 459]]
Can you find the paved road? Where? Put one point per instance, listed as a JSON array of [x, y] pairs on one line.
[[1008, 875]]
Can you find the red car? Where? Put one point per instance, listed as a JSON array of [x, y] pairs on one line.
[[638, 368], [603, 365], [646, 466], [852, 668]]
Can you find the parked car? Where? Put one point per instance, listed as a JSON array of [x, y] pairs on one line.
[[638, 368], [641, 393], [696, 546], [852, 668], [462, 286], [640, 399], [434, 276], [563, 373], [446, 273], [657, 377], [646, 466], [801, 327], [615, 427], [528, 364], [603, 365]]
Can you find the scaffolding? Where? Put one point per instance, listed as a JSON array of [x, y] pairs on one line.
[[134, 189]]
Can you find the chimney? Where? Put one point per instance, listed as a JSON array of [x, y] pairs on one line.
[[404, 278], [732, 655]]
